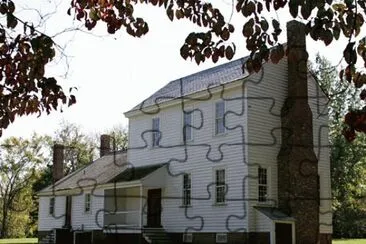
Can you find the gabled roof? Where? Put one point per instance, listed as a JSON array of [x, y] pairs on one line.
[[100, 171], [209, 78]]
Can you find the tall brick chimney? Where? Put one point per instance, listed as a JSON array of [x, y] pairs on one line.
[[298, 193], [58, 162], [105, 145]]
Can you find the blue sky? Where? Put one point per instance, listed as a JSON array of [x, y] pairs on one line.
[[113, 73]]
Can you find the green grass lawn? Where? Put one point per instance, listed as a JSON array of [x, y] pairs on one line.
[[19, 241], [350, 241]]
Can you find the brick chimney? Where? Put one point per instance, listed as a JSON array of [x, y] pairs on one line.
[[298, 194], [58, 162], [105, 145]]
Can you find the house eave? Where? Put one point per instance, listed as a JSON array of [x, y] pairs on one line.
[[155, 108]]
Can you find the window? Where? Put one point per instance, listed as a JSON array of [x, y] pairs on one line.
[[87, 203], [156, 132], [219, 117], [221, 238], [52, 206], [262, 185], [187, 126], [220, 186], [186, 190], [187, 237]]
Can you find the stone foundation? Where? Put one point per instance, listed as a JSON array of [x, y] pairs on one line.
[[42, 234], [232, 238]]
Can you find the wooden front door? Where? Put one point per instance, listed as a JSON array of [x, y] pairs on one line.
[[154, 208], [68, 212], [283, 233]]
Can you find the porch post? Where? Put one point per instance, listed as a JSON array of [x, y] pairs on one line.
[[141, 203]]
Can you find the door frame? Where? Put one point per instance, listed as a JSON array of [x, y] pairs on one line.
[[273, 230], [161, 208]]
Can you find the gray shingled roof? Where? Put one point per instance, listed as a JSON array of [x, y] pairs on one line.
[[221, 74], [100, 171]]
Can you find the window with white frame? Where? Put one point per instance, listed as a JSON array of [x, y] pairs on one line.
[[187, 126], [51, 209], [87, 203], [220, 186], [262, 185], [156, 132], [219, 117], [187, 190]]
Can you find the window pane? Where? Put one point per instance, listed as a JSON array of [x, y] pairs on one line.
[[220, 109], [262, 176], [186, 189], [187, 126], [219, 117], [262, 194], [156, 131], [220, 186], [262, 185]]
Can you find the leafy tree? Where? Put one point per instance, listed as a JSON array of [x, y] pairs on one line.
[[19, 161], [348, 160], [26, 51]]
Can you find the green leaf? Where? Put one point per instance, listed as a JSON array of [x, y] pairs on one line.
[[93, 14]]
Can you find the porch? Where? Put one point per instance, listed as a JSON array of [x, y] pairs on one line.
[[131, 205]]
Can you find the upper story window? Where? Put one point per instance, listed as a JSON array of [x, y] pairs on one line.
[[187, 126], [87, 203], [262, 185], [51, 209], [156, 132], [187, 190], [219, 117], [220, 186]]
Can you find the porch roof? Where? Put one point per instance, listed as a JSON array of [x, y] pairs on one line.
[[136, 173], [274, 213]]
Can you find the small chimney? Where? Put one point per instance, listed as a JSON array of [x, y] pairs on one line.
[[58, 162], [105, 145]]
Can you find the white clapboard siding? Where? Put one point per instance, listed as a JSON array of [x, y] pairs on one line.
[[197, 160], [265, 100], [255, 140], [47, 221], [318, 106], [91, 220]]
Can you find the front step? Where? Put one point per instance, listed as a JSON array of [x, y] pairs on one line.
[[156, 236]]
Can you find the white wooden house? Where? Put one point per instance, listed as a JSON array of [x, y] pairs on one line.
[[202, 166]]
